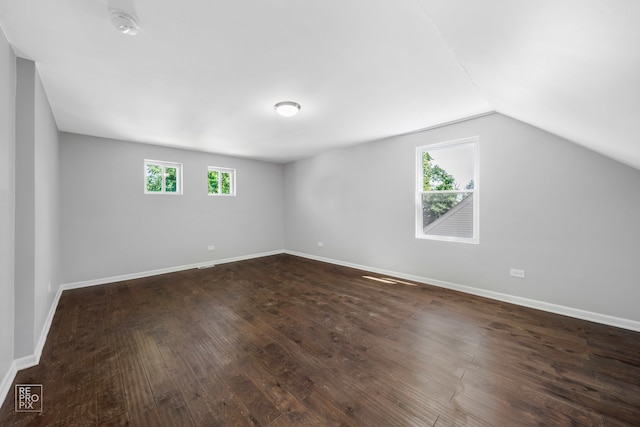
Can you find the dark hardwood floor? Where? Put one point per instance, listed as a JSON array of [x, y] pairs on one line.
[[285, 341]]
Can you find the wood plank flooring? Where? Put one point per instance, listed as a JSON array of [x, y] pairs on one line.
[[286, 341]]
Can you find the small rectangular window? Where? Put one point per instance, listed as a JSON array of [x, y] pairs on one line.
[[162, 177], [447, 196], [222, 181]]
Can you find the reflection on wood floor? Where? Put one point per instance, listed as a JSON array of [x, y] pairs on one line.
[[286, 341]]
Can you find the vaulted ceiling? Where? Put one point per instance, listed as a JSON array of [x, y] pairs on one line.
[[205, 75]]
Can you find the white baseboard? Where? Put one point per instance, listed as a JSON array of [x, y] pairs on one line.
[[7, 380], [605, 319], [33, 359], [45, 329], [207, 264], [26, 362]]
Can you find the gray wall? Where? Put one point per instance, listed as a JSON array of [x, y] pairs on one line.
[[25, 209], [47, 207], [566, 215], [111, 228], [7, 202], [37, 223]]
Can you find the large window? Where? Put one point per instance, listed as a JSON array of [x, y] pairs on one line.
[[162, 177], [447, 196], [222, 181]]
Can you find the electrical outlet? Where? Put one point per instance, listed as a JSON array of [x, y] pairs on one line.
[[211, 248], [517, 273], [49, 287], [320, 244]]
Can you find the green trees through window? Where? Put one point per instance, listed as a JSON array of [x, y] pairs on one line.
[[171, 179], [221, 181], [214, 181], [154, 177], [162, 177], [166, 178], [447, 181], [435, 178]]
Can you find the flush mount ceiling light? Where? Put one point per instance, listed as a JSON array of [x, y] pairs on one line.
[[287, 108], [124, 22]]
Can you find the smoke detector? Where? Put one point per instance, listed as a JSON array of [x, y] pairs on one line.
[[124, 22]]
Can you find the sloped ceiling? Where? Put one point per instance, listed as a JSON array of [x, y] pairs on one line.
[[205, 75], [569, 67]]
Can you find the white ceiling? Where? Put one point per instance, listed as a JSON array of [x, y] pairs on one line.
[[205, 75]]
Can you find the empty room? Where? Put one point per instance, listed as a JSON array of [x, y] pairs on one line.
[[291, 213]]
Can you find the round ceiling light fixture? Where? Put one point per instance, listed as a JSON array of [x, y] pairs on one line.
[[124, 22], [287, 108]]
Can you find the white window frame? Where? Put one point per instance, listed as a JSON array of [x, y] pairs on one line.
[[164, 165], [476, 190], [232, 185]]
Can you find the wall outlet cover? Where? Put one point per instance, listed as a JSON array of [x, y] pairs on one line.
[[514, 272]]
